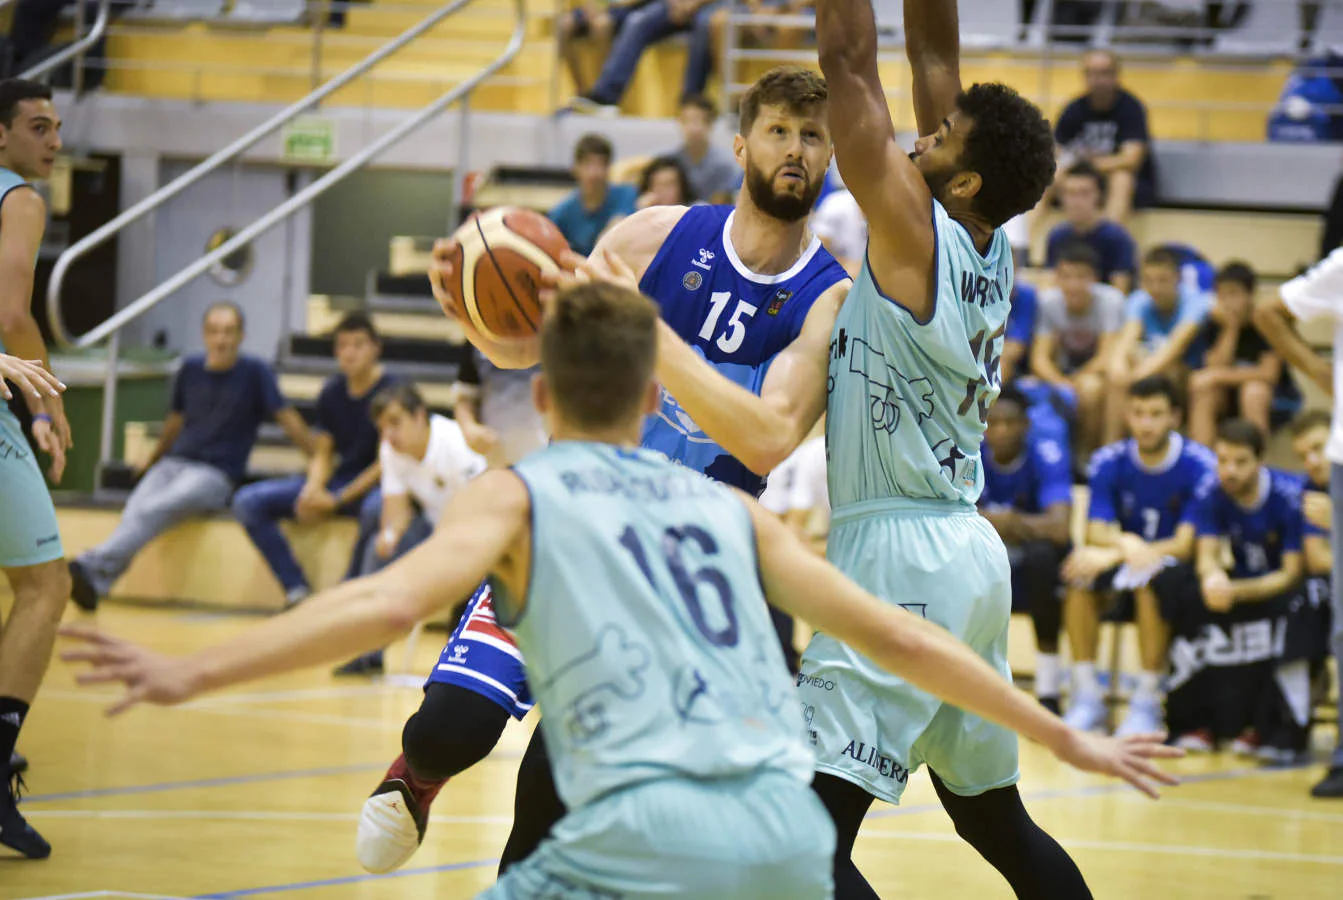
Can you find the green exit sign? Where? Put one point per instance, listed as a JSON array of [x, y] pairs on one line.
[[309, 139]]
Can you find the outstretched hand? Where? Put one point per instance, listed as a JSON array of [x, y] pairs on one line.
[[30, 376], [1129, 758], [149, 677]]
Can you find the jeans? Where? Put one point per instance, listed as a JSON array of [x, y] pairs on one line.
[[645, 27], [174, 489], [1336, 635], [416, 532], [261, 506]]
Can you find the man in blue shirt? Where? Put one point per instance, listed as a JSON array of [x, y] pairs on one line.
[[1141, 519], [219, 401], [344, 464], [596, 203], [1082, 197], [1027, 498], [1228, 624]]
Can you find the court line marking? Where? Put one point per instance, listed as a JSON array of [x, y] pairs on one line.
[[226, 781], [1216, 806], [241, 709], [1238, 853], [348, 879], [91, 894], [246, 815]]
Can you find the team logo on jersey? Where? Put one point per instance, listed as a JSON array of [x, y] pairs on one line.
[[780, 298], [890, 392], [703, 262], [691, 281]]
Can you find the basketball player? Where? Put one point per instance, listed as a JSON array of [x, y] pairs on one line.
[[738, 283], [30, 544], [910, 364], [636, 588]]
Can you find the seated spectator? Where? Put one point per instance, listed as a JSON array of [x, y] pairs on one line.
[[1107, 126], [664, 183], [1082, 197], [1241, 375], [425, 460], [1027, 499], [1215, 695], [1141, 516], [644, 27], [343, 431], [1075, 332], [1310, 438], [598, 21], [495, 411], [219, 401], [1160, 334], [713, 171], [842, 228], [1020, 337], [596, 204]]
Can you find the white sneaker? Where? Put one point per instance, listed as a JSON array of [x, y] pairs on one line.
[[1144, 717], [1086, 713]]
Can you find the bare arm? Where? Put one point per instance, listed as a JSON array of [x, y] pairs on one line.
[[364, 482], [322, 462], [1129, 158], [23, 219], [1122, 351], [1223, 351], [1042, 359], [1108, 535], [1208, 559], [1051, 525], [1319, 555], [933, 45], [1013, 353], [296, 429], [1275, 324], [397, 513], [1171, 351], [1105, 348], [172, 427], [1266, 587]]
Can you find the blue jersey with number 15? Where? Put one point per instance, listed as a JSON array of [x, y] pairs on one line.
[[736, 319]]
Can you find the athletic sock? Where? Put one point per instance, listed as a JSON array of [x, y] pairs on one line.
[[1148, 691], [1084, 680], [1047, 674], [12, 714]]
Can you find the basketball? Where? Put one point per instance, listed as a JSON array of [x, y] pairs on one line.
[[497, 267]]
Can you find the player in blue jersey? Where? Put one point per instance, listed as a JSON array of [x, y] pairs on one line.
[[636, 588], [737, 282], [30, 543], [1028, 500], [1231, 627], [1141, 519]]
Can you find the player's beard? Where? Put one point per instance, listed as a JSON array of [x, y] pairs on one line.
[[784, 207]]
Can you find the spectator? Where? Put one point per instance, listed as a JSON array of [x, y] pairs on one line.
[[219, 401], [494, 409], [1107, 126], [645, 26], [1240, 374], [1310, 438], [596, 204], [664, 183], [1141, 515], [425, 460], [1214, 695], [1160, 334], [1027, 498], [1020, 337], [598, 21], [344, 431], [1075, 333], [840, 225], [1083, 200], [765, 32], [714, 174]]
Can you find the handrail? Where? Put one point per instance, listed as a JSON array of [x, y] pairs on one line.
[[78, 47], [101, 235]]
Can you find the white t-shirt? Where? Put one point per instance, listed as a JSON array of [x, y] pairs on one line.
[[841, 225], [447, 465], [799, 481], [1318, 294]]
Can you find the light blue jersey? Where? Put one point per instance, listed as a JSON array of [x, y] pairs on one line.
[[647, 638], [909, 401]]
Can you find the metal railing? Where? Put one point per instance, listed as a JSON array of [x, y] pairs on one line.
[[76, 50], [112, 327]]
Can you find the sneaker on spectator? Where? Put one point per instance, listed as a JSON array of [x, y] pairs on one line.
[[1142, 718], [1086, 712], [366, 665], [82, 590], [1332, 785], [1199, 741], [394, 818], [590, 107], [1248, 744], [1282, 757]]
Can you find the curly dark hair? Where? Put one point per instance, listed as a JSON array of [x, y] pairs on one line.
[[1011, 147]]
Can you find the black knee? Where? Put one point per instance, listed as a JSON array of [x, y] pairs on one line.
[[453, 729], [847, 804]]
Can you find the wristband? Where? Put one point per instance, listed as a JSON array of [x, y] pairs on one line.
[[42, 417]]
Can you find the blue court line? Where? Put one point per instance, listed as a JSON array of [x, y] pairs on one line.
[[349, 879], [205, 783]]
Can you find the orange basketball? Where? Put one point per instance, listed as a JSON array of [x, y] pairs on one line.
[[497, 268]]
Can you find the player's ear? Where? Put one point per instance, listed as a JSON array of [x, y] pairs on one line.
[[739, 150], [965, 185], [541, 394]]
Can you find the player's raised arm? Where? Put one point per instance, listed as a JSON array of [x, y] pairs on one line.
[[478, 529], [933, 47]]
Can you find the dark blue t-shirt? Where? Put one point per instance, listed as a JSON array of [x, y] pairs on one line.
[[222, 411], [1149, 501], [1036, 480], [347, 420], [1103, 132], [1260, 535], [1111, 242], [581, 226]]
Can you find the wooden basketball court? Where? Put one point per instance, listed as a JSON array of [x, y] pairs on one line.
[[255, 793]]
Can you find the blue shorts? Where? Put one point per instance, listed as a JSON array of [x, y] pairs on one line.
[[482, 657]]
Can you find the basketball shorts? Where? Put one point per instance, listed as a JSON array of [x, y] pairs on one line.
[[763, 836], [873, 728], [28, 531], [482, 657]]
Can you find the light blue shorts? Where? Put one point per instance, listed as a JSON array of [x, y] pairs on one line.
[[761, 837], [28, 531], [873, 728]]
